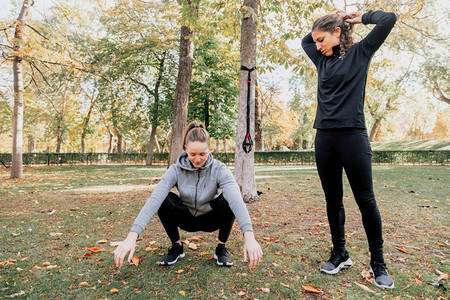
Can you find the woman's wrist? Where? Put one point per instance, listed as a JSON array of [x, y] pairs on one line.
[[132, 235]]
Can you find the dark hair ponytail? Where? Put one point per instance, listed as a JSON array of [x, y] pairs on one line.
[[196, 132], [330, 22]]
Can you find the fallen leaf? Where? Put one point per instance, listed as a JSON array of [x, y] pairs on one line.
[[366, 274], [103, 241], [55, 233], [265, 290], [241, 293], [192, 246], [364, 287], [114, 290], [401, 249], [268, 239], [285, 285], [46, 263], [204, 253], [195, 238], [87, 255], [321, 224], [182, 293], [135, 260], [312, 289], [150, 249], [21, 293], [179, 271], [95, 249], [51, 267], [443, 276], [151, 243], [84, 284]]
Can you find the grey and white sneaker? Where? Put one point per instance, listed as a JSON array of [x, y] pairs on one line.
[[172, 256], [380, 275], [222, 257], [337, 262]]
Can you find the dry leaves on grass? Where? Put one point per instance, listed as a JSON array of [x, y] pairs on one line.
[[135, 261], [401, 249], [311, 289], [114, 290], [95, 249], [84, 284], [364, 287]]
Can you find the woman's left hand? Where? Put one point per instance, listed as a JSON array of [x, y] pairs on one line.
[[252, 249], [355, 17]]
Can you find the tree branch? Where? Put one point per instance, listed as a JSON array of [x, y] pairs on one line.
[[35, 30]]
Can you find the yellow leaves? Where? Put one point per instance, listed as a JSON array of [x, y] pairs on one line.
[[135, 260], [204, 253], [192, 246], [321, 224], [182, 293], [102, 241], [84, 284], [114, 290], [55, 233], [151, 249], [311, 289], [179, 271]]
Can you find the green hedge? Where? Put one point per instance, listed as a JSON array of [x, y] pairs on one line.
[[441, 157]]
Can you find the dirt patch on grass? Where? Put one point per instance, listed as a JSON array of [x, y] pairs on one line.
[[114, 189]]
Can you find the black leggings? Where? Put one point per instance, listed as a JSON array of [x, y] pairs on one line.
[[174, 214], [348, 149]]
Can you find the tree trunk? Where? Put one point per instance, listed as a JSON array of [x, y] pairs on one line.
[[258, 120], [217, 146], [59, 130], [151, 146], [374, 130], [224, 141], [180, 105], [119, 139], [17, 163], [244, 162], [111, 137], [86, 123]]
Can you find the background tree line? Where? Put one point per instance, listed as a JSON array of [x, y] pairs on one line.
[[101, 77]]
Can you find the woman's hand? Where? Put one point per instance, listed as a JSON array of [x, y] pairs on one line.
[[128, 245], [355, 17], [252, 249]]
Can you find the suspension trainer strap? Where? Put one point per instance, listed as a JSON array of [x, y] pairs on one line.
[[248, 142]]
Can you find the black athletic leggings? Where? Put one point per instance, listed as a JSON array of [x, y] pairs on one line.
[[174, 214], [348, 149]]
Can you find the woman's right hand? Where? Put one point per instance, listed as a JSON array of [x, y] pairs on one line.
[[127, 246]]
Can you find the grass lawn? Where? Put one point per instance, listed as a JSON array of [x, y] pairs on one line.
[[49, 219]]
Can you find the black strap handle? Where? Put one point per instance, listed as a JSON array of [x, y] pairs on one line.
[[247, 145]]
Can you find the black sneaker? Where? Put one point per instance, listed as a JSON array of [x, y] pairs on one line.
[[380, 275], [172, 256], [222, 257], [337, 262]]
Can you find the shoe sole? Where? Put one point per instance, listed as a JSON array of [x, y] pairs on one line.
[[171, 262], [380, 285], [343, 265], [222, 264]]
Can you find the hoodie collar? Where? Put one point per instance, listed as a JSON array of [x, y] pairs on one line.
[[184, 162]]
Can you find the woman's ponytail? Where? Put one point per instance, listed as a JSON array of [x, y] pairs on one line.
[[196, 132]]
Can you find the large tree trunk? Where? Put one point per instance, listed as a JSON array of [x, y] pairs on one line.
[[17, 163], [374, 130], [180, 105], [244, 162]]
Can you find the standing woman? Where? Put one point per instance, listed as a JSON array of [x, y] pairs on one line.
[[209, 199], [341, 139]]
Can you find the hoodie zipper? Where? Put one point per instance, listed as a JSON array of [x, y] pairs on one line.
[[196, 189]]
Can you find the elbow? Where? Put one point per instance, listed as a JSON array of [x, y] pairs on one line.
[[391, 18]]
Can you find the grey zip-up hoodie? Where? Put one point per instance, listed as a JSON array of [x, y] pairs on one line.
[[197, 188]]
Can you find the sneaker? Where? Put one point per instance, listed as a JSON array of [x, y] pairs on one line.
[[172, 256], [222, 257], [337, 262], [380, 275]]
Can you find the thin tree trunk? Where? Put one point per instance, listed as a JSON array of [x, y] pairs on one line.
[[86, 123], [217, 146], [182, 89], [244, 162], [151, 146], [224, 141], [374, 130], [17, 163]]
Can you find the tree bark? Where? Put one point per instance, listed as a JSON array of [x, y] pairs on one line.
[[180, 105], [86, 122], [374, 130], [244, 162], [59, 130], [17, 147]]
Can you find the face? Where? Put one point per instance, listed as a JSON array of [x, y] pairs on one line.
[[325, 41], [197, 153]]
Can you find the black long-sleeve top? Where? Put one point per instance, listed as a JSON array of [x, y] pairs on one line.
[[342, 82]]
